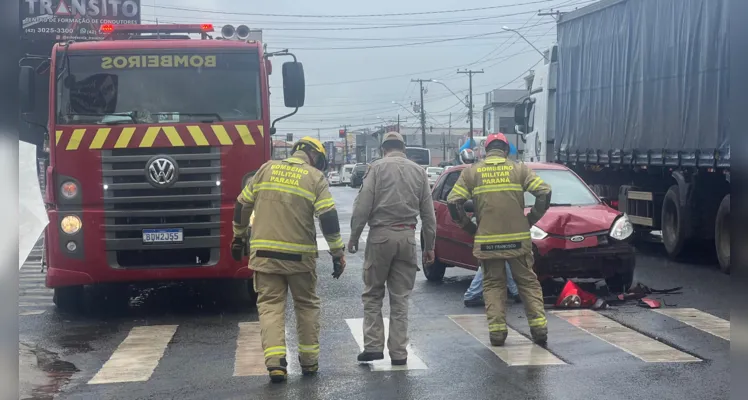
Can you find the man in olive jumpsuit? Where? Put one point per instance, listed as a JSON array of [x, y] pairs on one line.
[[497, 185], [286, 195], [394, 193]]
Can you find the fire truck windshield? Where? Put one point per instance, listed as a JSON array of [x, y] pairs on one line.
[[159, 87]]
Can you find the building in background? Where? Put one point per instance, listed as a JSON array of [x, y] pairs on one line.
[[498, 113]]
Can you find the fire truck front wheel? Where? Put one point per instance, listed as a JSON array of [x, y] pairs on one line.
[[69, 298]]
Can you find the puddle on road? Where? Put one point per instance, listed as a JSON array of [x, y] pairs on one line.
[[42, 374]]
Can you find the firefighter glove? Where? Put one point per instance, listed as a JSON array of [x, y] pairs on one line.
[[471, 228], [238, 248], [338, 266]]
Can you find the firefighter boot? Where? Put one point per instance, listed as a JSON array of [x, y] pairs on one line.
[[370, 356], [497, 338], [539, 335], [308, 370], [278, 374]]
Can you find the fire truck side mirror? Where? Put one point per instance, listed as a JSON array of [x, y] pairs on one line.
[[27, 89], [519, 113], [294, 86]]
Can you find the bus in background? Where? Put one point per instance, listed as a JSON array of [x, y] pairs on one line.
[[419, 155]]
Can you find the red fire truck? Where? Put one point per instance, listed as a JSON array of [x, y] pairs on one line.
[[152, 133]]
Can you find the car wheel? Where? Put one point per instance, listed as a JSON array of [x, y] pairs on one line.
[[621, 282], [69, 298], [434, 272], [722, 235], [674, 223]]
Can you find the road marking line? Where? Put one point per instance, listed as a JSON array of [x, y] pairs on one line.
[[638, 345], [36, 291], [31, 312], [34, 298], [356, 325], [250, 356], [700, 320], [41, 304], [517, 350], [137, 356]]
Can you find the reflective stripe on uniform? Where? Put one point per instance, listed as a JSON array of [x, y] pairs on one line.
[[461, 191], [248, 194], [537, 322], [293, 160], [283, 246], [280, 187], [275, 351], [334, 241], [534, 184], [309, 348], [502, 238], [497, 328], [495, 160], [499, 187], [323, 204]]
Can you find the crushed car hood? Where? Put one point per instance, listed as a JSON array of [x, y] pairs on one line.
[[567, 221]]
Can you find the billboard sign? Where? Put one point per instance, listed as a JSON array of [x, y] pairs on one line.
[[74, 19]]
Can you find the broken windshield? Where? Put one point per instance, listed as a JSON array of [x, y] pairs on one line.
[[149, 87]]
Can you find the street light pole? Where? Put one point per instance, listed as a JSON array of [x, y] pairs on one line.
[[506, 28], [423, 112]]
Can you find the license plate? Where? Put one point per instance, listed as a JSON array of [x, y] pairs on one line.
[[163, 235]]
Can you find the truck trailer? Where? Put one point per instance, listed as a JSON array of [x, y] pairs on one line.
[[152, 132], [633, 97]]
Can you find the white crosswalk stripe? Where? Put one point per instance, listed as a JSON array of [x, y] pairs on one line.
[[34, 298], [356, 325], [138, 356]]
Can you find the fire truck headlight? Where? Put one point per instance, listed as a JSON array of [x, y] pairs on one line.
[[71, 224], [69, 189]]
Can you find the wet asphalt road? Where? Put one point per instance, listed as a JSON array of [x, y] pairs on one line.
[[186, 342]]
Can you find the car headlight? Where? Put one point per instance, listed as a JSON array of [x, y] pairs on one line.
[[71, 224], [537, 233], [69, 189], [622, 228]]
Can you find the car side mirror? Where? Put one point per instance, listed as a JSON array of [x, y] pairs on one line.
[[294, 85], [606, 201], [468, 206], [27, 89]]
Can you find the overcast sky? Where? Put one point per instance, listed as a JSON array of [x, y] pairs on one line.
[[354, 86]]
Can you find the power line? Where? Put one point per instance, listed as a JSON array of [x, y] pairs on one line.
[[345, 15]]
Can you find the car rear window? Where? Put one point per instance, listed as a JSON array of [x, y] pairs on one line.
[[566, 189]]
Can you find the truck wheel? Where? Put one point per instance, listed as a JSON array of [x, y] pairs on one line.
[[674, 223], [69, 298], [722, 234], [434, 272]]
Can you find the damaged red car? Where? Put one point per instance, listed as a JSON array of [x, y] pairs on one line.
[[580, 236]]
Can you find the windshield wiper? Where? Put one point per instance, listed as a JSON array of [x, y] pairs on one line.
[[561, 204], [129, 115], [216, 116]]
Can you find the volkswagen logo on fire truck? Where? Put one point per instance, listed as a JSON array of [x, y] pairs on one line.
[[161, 171]]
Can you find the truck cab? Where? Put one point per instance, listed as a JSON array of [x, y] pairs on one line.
[[153, 135], [535, 116]]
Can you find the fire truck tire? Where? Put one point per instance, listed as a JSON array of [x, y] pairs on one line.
[[69, 298], [240, 292], [722, 234], [674, 223], [434, 272]]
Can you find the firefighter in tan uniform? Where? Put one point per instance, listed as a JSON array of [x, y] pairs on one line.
[[284, 196], [497, 185], [395, 191]]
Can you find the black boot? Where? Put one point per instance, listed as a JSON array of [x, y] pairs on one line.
[[404, 361], [497, 338], [539, 335], [277, 375], [366, 356]]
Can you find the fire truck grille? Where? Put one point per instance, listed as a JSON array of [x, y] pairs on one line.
[[133, 205]]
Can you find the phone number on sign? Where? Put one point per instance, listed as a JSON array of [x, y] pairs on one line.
[[54, 30]]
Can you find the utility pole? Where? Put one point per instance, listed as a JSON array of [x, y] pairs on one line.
[[470, 74], [423, 112], [318, 135], [345, 150], [449, 130]]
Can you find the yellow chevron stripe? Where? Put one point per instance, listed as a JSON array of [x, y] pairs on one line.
[[150, 136], [262, 130], [124, 138], [100, 138], [245, 135], [222, 135], [198, 136], [58, 135], [173, 136], [75, 139]]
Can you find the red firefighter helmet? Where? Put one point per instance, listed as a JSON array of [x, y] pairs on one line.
[[496, 136]]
